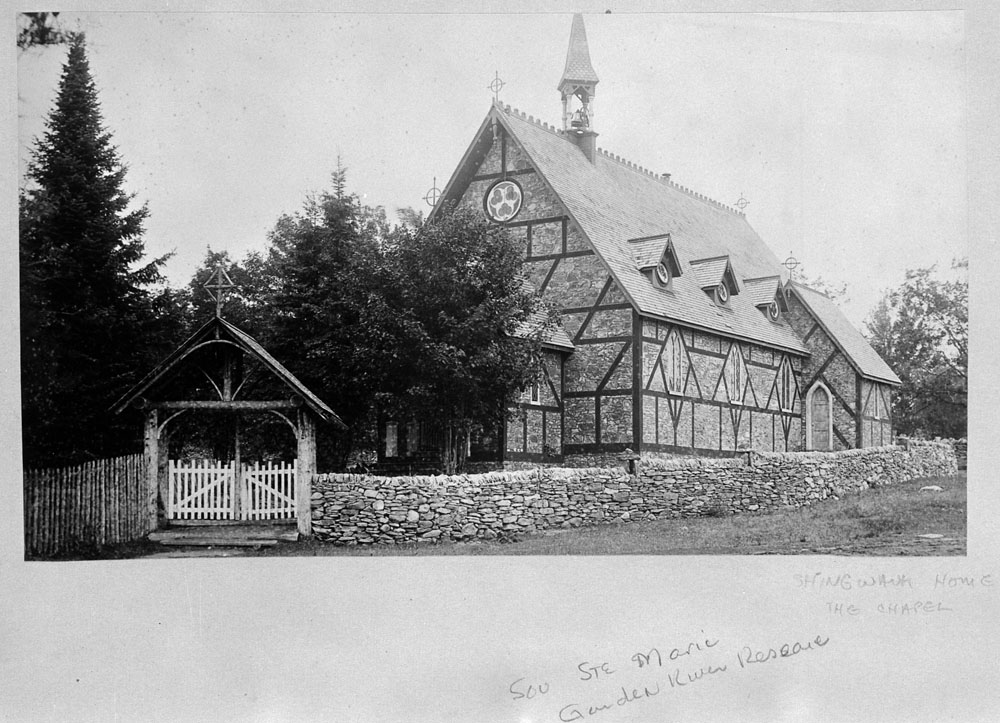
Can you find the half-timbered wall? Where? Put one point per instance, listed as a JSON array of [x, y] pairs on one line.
[[535, 432], [830, 368], [596, 391], [694, 398], [876, 419]]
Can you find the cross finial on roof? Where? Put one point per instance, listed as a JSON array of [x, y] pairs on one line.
[[742, 203], [432, 196], [217, 285], [496, 85], [791, 263]]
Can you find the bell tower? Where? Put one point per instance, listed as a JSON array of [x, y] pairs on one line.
[[577, 88]]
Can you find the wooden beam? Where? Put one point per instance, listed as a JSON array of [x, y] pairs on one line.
[[151, 435], [305, 467], [226, 406]]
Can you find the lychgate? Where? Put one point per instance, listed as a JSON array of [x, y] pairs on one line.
[[222, 357]]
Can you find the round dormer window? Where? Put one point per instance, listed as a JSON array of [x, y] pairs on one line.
[[772, 310], [502, 201], [662, 274], [722, 293]]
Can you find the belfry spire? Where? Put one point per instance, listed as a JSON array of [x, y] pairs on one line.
[[577, 88], [579, 69]]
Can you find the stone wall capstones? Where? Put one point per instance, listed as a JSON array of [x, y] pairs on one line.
[[360, 509]]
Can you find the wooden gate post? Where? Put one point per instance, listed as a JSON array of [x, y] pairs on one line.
[[305, 467], [151, 435], [237, 474]]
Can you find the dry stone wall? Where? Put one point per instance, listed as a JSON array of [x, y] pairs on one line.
[[359, 509]]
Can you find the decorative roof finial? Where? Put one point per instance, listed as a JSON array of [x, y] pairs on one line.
[[496, 85], [217, 285], [432, 196], [791, 263]]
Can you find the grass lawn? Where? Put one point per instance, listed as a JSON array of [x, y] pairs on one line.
[[879, 522]]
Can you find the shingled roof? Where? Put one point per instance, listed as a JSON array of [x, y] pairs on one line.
[[855, 347], [214, 329], [578, 66], [612, 201]]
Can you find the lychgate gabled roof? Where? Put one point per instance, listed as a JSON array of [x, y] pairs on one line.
[[855, 347], [219, 331], [578, 70], [612, 201]]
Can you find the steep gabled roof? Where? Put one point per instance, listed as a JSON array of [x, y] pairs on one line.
[[613, 201], [215, 329], [849, 340]]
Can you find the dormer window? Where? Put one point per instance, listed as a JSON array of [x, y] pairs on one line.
[[717, 279], [655, 256], [765, 293]]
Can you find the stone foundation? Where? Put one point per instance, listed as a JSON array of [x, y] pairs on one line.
[[358, 509]]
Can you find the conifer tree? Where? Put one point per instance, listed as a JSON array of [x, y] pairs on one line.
[[89, 323]]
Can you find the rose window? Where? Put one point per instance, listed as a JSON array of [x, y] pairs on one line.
[[503, 201]]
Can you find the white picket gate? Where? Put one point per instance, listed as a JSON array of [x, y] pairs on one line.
[[203, 490], [268, 491]]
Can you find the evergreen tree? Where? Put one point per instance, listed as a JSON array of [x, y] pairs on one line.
[[320, 284], [89, 323]]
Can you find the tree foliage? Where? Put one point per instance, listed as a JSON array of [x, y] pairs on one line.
[[454, 289], [89, 319], [39, 29], [836, 290], [921, 329], [424, 321]]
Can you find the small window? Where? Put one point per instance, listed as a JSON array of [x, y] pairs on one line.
[[663, 274], [391, 439], [772, 311], [736, 375], [722, 294], [876, 402], [673, 363], [786, 389], [534, 392]]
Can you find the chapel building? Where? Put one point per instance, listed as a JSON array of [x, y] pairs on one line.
[[678, 335]]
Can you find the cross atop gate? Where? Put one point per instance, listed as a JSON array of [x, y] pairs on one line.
[[217, 285]]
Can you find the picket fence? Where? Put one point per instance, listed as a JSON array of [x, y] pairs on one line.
[[85, 506]]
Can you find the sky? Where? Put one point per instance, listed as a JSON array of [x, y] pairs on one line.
[[844, 131]]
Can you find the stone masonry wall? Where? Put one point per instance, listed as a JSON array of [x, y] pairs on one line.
[[353, 509]]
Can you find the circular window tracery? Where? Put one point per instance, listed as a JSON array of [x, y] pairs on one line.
[[662, 274], [503, 201], [722, 293], [773, 311]]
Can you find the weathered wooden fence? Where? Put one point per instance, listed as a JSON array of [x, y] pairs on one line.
[[92, 504]]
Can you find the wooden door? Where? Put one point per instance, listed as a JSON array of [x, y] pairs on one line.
[[819, 419]]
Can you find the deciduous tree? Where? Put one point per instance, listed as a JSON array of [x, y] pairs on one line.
[[464, 351], [921, 329]]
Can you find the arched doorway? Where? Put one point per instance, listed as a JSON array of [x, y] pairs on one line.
[[819, 418]]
